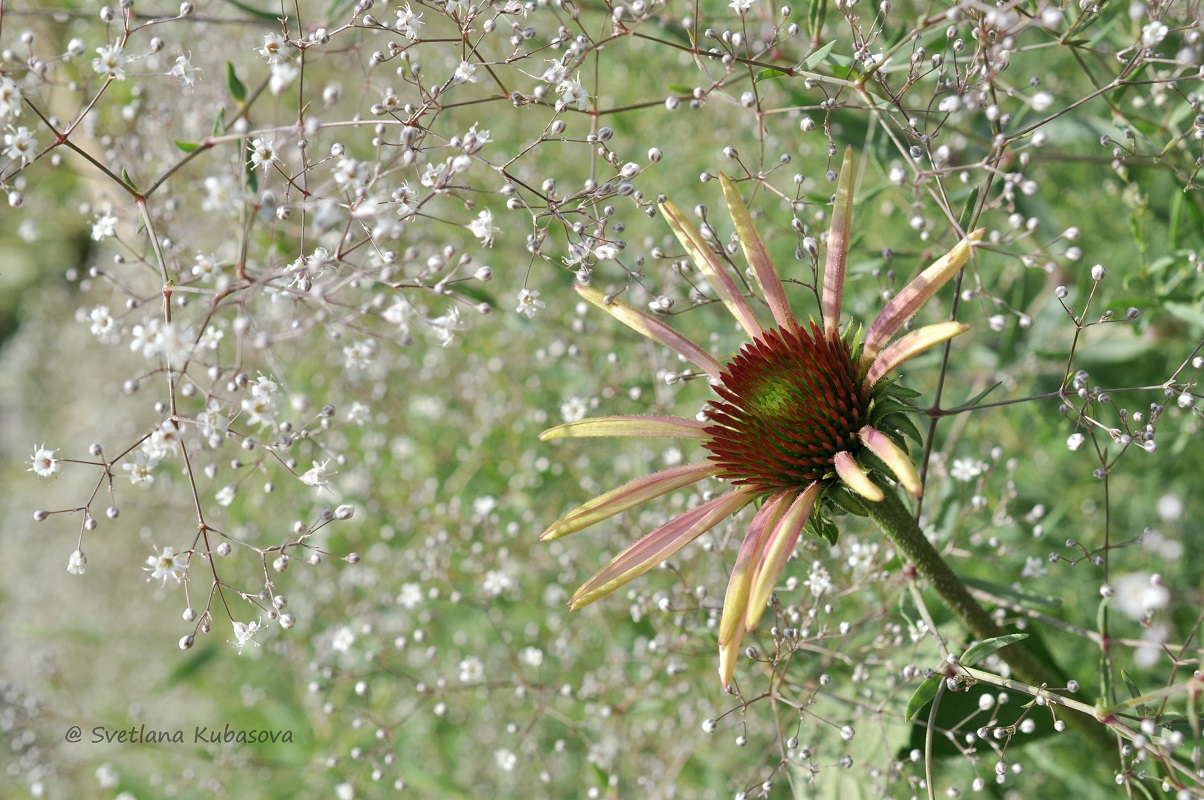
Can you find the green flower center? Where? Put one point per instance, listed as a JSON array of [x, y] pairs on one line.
[[791, 400]]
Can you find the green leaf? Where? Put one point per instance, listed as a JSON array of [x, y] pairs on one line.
[[978, 398], [1021, 597], [770, 73], [923, 696], [980, 650], [965, 220], [1134, 693], [237, 90], [219, 124], [1188, 313], [815, 17], [816, 58], [128, 181], [188, 147]]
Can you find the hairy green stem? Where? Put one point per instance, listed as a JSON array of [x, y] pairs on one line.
[[904, 533]]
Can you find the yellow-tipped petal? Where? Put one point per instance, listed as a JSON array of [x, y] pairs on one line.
[[757, 256], [855, 477], [893, 456], [777, 550], [909, 346], [728, 653], [715, 271], [646, 426], [654, 329], [838, 247], [628, 496], [908, 301], [749, 557], [660, 545]]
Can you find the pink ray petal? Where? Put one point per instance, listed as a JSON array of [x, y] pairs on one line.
[[749, 557], [893, 456], [855, 477], [907, 347], [654, 329], [757, 256], [660, 545], [838, 247], [706, 260], [627, 496], [639, 425], [909, 300], [777, 551]]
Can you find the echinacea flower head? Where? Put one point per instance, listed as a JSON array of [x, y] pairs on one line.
[[806, 422]]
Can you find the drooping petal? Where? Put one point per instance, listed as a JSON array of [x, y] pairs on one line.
[[640, 425], [908, 346], [659, 545], [757, 256], [855, 477], [838, 247], [893, 456], [728, 653], [908, 301], [777, 550], [712, 267], [740, 582], [627, 496], [654, 329]]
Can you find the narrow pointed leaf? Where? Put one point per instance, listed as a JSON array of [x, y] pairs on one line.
[[712, 267], [757, 256], [980, 650], [855, 478], [838, 247], [777, 551], [627, 496], [655, 330], [740, 582], [908, 301], [978, 398], [893, 456], [908, 347], [643, 426], [237, 90], [923, 695], [660, 545]]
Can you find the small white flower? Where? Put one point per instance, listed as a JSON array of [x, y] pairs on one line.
[[110, 61], [1075, 441], [343, 639], [966, 469], [10, 98], [75, 564], [1034, 567], [471, 670], [410, 596], [275, 48], [465, 73], [1153, 34], [45, 465], [529, 303], [818, 580], [244, 634], [496, 582], [483, 228], [104, 227], [166, 564], [359, 414], [1139, 594], [505, 759], [740, 6], [283, 75], [184, 72], [19, 144], [408, 22], [141, 470], [225, 495], [572, 92], [317, 476], [222, 195], [263, 152], [573, 409], [531, 656]]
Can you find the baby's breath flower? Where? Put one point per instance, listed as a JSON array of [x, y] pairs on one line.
[[263, 152], [483, 228], [166, 564], [110, 61], [275, 48], [10, 98], [471, 670], [45, 465], [104, 227], [141, 471], [1075, 441], [76, 562], [465, 73], [529, 302], [244, 634], [19, 144], [184, 72], [317, 476]]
